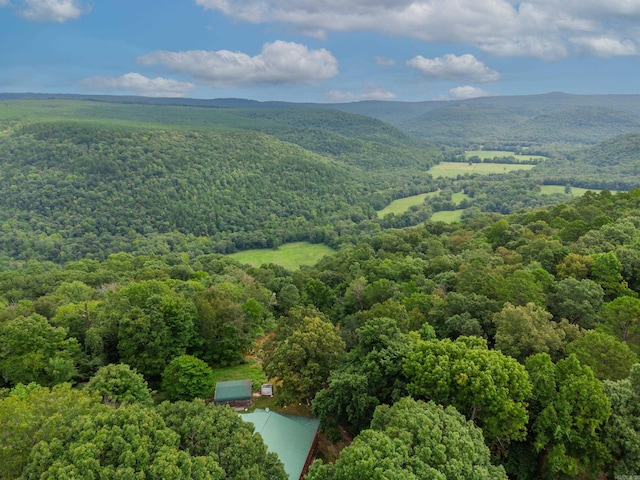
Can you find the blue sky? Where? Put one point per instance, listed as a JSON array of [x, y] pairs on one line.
[[320, 50]]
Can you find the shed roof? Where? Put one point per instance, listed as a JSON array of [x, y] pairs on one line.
[[289, 436], [233, 390]]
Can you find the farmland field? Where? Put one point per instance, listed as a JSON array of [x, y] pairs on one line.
[[291, 255], [453, 169], [490, 154]]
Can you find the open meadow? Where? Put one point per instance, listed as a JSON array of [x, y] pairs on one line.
[[447, 216], [291, 255], [453, 169]]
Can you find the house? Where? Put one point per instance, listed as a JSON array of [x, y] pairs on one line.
[[291, 437]]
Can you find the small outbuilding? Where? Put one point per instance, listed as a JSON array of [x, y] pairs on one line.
[[236, 393]]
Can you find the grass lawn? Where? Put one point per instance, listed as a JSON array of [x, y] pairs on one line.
[[250, 370], [490, 154], [453, 169], [289, 255], [447, 216]]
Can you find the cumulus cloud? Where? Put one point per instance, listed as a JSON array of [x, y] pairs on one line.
[[384, 61], [462, 93], [371, 92], [538, 28], [278, 63], [141, 85], [58, 11], [463, 67], [605, 47]]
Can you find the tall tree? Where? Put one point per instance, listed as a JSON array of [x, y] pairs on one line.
[[568, 409], [411, 440], [485, 385], [303, 360]]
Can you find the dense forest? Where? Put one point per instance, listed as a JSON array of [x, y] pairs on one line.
[[523, 327], [502, 346]]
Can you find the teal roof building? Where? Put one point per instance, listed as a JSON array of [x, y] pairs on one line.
[[233, 391], [291, 437]]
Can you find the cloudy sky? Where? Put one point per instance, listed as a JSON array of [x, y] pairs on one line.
[[320, 50]]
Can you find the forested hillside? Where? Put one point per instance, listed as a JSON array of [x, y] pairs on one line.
[[524, 328], [91, 178]]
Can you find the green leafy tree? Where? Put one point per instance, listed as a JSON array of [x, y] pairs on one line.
[[119, 384], [303, 360], [412, 440], [524, 330], [34, 351], [607, 271], [372, 375], [31, 414], [608, 357], [578, 301], [621, 434], [219, 432], [127, 442], [485, 385], [568, 409], [622, 320], [187, 377]]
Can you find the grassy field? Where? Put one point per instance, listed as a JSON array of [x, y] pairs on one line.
[[490, 154], [447, 216], [453, 169], [401, 205], [291, 255], [250, 370]]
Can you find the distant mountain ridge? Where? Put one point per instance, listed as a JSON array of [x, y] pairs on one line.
[[560, 119]]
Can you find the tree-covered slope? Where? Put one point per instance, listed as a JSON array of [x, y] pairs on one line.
[[613, 164], [554, 118], [95, 177]]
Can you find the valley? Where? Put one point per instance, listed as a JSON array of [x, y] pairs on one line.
[[342, 253]]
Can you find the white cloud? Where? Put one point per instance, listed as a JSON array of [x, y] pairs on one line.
[[384, 61], [141, 85], [605, 47], [465, 67], [4, 3], [538, 28], [371, 92], [51, 10], [462, 93], [278, 63]]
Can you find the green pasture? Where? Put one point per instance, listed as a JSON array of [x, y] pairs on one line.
[[490, 154], [447, 216], [453, 169], [290, 255], [401, 205]]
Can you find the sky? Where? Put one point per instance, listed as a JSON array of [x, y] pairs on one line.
[[320, 50]]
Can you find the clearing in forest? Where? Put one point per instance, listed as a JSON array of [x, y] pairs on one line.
[[290, 255]]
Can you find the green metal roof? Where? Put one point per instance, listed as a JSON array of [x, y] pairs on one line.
[[233, 390], [289, 436]]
